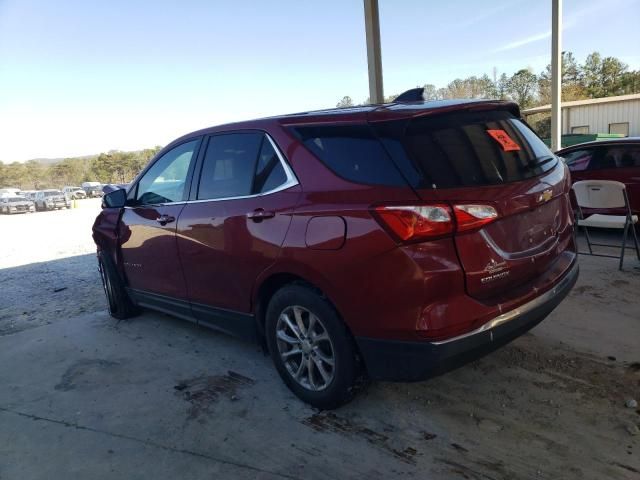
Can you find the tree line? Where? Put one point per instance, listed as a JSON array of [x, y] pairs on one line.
[[110, 167], [597, 77]]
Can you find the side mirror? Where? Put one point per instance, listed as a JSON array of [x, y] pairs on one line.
[[115, 199]]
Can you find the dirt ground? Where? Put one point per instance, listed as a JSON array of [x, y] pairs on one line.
[[85, 396]]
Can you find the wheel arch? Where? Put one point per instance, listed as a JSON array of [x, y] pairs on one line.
[[269, 283]]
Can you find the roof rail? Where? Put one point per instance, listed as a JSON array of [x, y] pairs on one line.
[[413, 95]]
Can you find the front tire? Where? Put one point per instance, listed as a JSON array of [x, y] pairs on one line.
[[118, 301], [311, 347]]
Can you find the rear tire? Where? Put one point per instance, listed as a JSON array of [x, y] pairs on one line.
[[311, 347], [118, 301]]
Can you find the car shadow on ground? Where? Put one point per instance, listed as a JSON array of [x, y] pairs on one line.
[[45, 292]]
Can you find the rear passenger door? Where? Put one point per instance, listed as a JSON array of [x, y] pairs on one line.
[[232, 228]]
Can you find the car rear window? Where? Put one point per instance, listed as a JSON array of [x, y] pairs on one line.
[[466, 149], [353, 152]]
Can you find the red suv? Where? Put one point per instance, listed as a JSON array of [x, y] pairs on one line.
[[391, 241]]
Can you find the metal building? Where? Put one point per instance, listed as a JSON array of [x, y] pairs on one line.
[[620, 115]]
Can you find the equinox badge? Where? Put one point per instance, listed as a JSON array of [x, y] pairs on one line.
[[496, 271]]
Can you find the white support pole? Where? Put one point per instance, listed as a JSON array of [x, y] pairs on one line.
[[556, 74], [374, 57]]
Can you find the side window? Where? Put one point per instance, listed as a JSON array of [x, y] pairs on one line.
[[632, 157], [228, 167], [609, 158], [166, 180], [352, 152], [270, 173], [604, 158], [579, 160], [624, 156]]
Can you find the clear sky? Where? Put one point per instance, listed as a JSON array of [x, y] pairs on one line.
[[81, 77]]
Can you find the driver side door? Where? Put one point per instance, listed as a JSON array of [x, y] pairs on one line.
[[148, 228]]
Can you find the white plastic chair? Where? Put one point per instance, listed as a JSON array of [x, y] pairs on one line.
[[606, 194]]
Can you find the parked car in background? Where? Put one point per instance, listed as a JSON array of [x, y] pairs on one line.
[[93, 189], [75, 193], [9, 192], [10, 205], [397, 241], [29, 194], [616, 159], [51, 200]]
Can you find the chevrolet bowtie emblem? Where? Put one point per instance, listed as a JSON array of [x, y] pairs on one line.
[[545, 196]]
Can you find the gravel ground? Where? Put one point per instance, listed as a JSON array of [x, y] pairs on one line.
[[48, 269], [84, 396]]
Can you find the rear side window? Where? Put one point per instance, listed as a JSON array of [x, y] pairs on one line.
[[270, 173], [467, 149], [352, 152], [579, 160]]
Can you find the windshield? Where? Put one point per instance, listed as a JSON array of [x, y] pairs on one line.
[[52, 193], [17, 199]]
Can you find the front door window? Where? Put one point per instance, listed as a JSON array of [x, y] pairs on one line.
[[166, 180]]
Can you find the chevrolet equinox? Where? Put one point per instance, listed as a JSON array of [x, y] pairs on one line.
[[390, 242]]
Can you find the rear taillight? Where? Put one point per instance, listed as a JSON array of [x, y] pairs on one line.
[[469, 217], [411, 223]]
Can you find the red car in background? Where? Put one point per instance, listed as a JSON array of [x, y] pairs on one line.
[[395, 241], [616, 159]]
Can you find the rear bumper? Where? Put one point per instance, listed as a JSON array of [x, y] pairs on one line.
[[413, 361]]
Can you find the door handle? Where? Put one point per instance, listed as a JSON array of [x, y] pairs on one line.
[[260, 214], [164, 219]]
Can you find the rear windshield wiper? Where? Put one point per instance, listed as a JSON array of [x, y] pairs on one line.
[[541, 161]]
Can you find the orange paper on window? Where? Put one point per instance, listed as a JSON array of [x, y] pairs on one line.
[[505, 141]]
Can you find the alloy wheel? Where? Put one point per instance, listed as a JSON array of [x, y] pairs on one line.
[[305, 348]]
